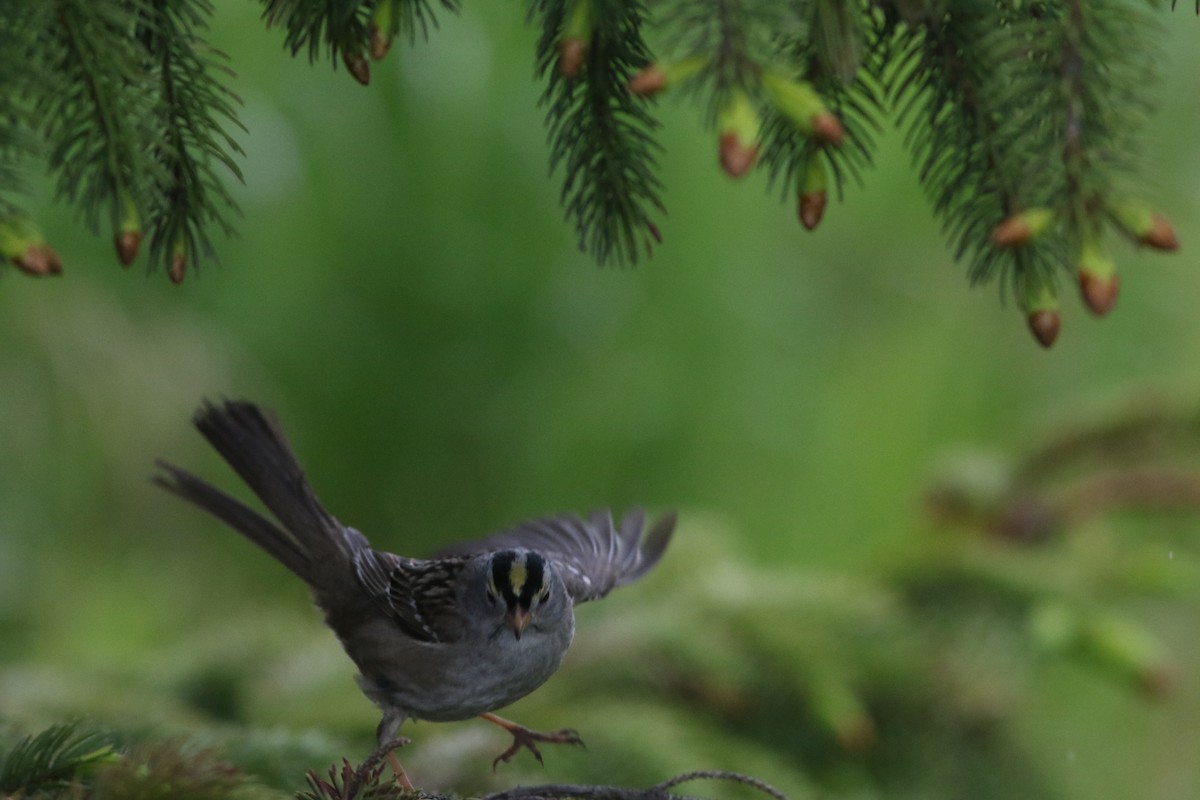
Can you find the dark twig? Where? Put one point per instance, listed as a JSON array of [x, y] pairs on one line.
[[656, 792]]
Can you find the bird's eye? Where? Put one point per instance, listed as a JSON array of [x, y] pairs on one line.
[[491, 594], [545, 595]]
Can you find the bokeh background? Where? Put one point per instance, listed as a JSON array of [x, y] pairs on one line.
[[405, 293]]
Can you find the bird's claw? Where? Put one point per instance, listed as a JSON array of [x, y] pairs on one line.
[[525, 738]]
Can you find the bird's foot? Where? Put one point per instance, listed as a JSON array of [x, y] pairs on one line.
[[525, 738]]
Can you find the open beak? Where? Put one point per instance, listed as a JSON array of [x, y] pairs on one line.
[[517, 618]]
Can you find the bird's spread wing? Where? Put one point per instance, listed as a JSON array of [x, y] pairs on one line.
[[418, 595], [591, 556]]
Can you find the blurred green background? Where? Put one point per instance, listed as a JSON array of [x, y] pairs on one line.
[[405, 293]]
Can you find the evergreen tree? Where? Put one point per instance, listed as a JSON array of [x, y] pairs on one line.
[[1025, 118]]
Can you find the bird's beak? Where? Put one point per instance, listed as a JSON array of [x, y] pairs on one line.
[[517, 618]]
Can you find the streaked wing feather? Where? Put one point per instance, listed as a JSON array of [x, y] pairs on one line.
[[417, 594]]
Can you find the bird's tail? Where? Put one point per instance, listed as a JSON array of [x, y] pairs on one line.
[[311, 543]]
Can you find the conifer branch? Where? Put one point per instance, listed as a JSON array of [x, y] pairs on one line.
[[1024, 119], [193, 110], [18, 82], [599, 134], [96, 125]]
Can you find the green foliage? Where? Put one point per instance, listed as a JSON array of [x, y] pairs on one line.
[[193, 110], [162, 769], [1011, 108], [319, 27], [53, 758], [129, 101], [599, 134], [75, 760]]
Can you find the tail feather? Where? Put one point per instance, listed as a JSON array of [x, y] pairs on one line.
[[315, 545], [235, 514]]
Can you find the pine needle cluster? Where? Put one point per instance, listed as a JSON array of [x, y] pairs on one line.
[[128, 106], [1025, 119]]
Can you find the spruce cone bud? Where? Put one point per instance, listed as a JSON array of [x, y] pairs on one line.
[[1146, 226], [1022, 228], [380, 42], [736, 156], [39, 260], [813, 194], [1098, 282], [358, 66], [381, 31], [1044, 324], [800, 102], [1100, 294], [571, 52], [576, 33], [738, 142], [649, 81], [1161, 236], [654, 78], [812, 208], [828, 128], [1041, 310], [127, 244], [178, 268]]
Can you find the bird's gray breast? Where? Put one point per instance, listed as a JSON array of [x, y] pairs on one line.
[[484, 671]]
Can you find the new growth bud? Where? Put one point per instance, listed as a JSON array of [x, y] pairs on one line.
[[654, 78], [738, 139], [1098, 282], [357, 65], [1022, 228], [813, 192], [572, 46], [21, 243], [178, 266], [1041, 312], [1146, 226], [799, 102], [381, 32], [128, 238]]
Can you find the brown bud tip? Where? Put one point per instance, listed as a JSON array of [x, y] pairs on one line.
[[358, 66], [127, 244], [381, 43], [1012, 232], [736, 158], [52, 260], [1044, 324], [570, 56], [1100, 294], [812, 208], [39, 260], [828, 128], [648, 82], [178, 268], [1161, 235]]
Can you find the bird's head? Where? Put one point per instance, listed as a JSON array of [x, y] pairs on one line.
[[520, 584]]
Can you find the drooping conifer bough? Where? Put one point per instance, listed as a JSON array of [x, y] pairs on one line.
[[1026, 120]]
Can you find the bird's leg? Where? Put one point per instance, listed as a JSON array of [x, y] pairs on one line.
[[398, 771], [387, 750], [524, 737], [385, 734]]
